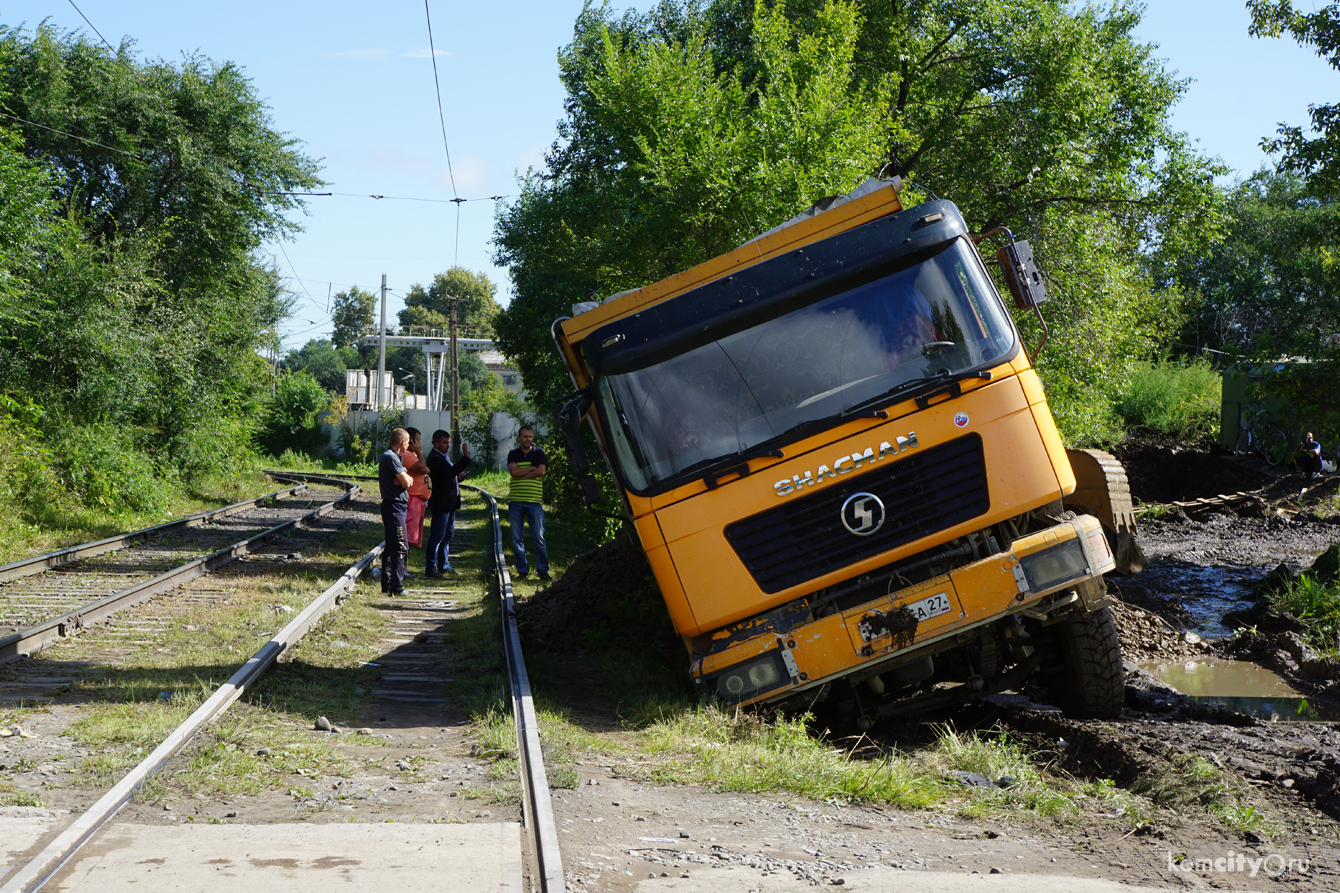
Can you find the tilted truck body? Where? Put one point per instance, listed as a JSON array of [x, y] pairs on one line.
[[842, 467]]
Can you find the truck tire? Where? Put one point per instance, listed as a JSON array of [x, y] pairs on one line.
[[1092, 684]]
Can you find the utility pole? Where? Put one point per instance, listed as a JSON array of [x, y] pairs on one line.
[[381, 352], [455, 370]]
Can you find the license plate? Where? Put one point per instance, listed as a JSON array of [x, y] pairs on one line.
[[930, 607]]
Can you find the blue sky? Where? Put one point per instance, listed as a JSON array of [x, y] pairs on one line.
[[354, 82]]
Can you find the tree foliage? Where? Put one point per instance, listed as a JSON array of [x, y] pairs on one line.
[[319, 359], [133, 197], [692, 128], [354, 315], [671, 153], [1316, 157], [1271, 285], [478, 304]]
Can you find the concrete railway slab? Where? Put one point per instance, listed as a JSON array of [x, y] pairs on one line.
[[298, 858]]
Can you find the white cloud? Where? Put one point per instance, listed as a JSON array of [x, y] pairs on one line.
[[424, 53]]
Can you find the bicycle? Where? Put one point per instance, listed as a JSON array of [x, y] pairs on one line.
[[1261, 434]]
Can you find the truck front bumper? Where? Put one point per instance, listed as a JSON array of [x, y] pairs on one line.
[[889, 631]]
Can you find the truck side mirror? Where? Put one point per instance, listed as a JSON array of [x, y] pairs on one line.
[[570, 411], [1022, 275]]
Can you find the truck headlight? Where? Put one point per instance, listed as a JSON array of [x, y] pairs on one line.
[[742, 681], [1055, 566]]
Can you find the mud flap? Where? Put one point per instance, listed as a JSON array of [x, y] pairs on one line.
[[1103, 490]]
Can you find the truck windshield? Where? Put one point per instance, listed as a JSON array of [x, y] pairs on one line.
[[939, 317]]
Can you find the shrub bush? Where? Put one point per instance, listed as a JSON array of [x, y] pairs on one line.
[[1178, 399], [293, 418]]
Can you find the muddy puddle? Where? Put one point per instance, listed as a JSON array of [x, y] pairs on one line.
[[1238, 685], [1207, 592]]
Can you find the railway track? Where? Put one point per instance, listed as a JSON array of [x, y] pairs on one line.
[[408, 675], [55, 596]]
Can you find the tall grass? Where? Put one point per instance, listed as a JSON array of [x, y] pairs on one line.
[[1178, 399], [1317, 604]]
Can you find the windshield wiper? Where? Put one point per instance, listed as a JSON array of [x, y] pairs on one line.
[[712, 469], [918, 384]]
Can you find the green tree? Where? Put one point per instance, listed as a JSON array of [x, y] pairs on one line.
[[1271, 285], [424, 317], [147, 306], [671, 153], [473, 377], [293, 416], [188, 152], [319, 359], [478, 304], [1315, 157], [354, 315], [690, 129]]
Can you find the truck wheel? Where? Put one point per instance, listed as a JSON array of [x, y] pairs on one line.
[[1093, 685]]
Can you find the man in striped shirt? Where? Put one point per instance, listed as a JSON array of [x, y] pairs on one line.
[[527, 466]]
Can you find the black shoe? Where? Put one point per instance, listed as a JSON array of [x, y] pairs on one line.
[[434, 574], [544, 575], [525, 576], [396, 592]]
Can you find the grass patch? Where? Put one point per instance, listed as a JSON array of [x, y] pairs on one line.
[[1317, 604], [1193, 783], [1178, 399], [21, 800], [290, 460]]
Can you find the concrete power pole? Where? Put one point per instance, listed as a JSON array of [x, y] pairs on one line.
[[381, 352], [455, 370]]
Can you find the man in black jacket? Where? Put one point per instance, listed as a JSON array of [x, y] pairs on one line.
[[443, 501]]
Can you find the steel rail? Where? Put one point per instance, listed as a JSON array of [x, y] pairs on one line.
[[330, 476], [35, 638], [537, 809], [38, 871], [37, 564]]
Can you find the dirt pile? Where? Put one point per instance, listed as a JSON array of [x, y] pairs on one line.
[[607, 594], [1163, 470]]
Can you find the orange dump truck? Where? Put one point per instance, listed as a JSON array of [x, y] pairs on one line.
[[842, 467]]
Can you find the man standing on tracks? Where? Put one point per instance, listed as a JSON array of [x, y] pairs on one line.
[[443, 502], [527, 465], [394, 482]]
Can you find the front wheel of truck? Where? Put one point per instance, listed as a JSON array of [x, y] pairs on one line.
[[1092, 684]]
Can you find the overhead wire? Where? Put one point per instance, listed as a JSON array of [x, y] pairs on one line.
[[442, 119], [73, 136], [93, 26]]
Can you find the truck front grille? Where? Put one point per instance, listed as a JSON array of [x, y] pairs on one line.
[[923, 493]]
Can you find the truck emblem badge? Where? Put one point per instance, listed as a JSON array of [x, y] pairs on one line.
[[862, 514], [961, 419]]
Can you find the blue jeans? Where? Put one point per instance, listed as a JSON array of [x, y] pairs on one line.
[[532, 513], [439, 540]]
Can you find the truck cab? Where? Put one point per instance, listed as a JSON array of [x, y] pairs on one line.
[[841, 464]]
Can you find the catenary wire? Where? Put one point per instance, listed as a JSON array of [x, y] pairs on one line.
[[93, 26]]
